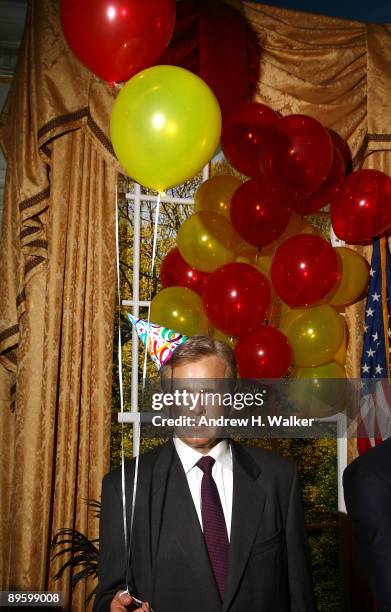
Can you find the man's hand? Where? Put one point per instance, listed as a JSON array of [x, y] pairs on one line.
[[123, 602]]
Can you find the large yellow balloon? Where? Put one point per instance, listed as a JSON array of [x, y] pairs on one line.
[[315, 334], [207, 241], [216, 194], [255, 258], [180, 309], [354, 279], [296, 225], [323, 394], [165, 126]]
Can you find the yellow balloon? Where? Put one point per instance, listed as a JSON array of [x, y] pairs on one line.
[[207, 241], [327, 370], [179, 309], [354, 279], [315, 334], [165, 126], [340, 355], [216, 194], [296, 225], [219, 335], [255, 258], [321, 395]]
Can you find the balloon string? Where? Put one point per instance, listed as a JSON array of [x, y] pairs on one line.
[[154, 245], [121, 391], [136, 442], [121, 387]]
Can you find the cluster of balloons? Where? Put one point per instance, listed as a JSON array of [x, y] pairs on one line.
[[301, 164], [295, 167], [325, 280], [212, 283], [248, 245]]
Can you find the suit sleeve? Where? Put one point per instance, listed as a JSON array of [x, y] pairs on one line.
[[368, 502], [299, 568], [112, 558]]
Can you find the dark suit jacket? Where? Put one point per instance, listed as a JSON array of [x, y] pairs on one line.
[[367, 486], [268, 570]]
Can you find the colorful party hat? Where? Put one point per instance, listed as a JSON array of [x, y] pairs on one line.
[[161, 342]]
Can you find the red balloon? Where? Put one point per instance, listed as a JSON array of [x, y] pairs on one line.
[[328, 190], [363, 208], [298, 155], [264, 354], [243, 131], [236, 298], [117, 38], [259, 213], [343, 148], [304, 270], [176, 271], [368, 181]]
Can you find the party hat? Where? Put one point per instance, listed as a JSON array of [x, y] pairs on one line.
[[161, 342]]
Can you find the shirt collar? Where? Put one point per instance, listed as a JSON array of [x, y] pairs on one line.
[[189, 456]]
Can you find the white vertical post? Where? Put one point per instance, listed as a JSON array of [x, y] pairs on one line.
[[135, 301], [135, 310], [342, 441], [342, 460]]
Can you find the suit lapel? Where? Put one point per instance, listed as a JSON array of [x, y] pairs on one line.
[[186, 530], [168, 476], [247, 508], [151, 487], [160, 474]]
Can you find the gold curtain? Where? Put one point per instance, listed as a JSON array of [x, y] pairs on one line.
[[57, 259], [338, 72], [57, 290]]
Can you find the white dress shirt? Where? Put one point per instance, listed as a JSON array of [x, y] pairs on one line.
[[222, 473]]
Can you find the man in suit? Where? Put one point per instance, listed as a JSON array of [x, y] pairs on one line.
[[218, 526], [367, 487]]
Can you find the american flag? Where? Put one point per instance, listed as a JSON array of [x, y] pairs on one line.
[[374, 422]]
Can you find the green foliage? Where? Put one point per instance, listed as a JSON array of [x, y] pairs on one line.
[[80, 552]]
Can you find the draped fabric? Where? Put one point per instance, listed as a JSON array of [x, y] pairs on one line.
[[57, 290], [57, 259], [213, 40]]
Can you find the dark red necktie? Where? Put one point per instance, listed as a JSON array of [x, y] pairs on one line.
[[214, 526]]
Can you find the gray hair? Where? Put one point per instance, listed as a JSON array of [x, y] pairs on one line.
[[197, 347]]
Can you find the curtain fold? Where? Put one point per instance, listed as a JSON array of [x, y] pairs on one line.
[[59, 442], [57, 295], [314, 65], [78, 334]]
